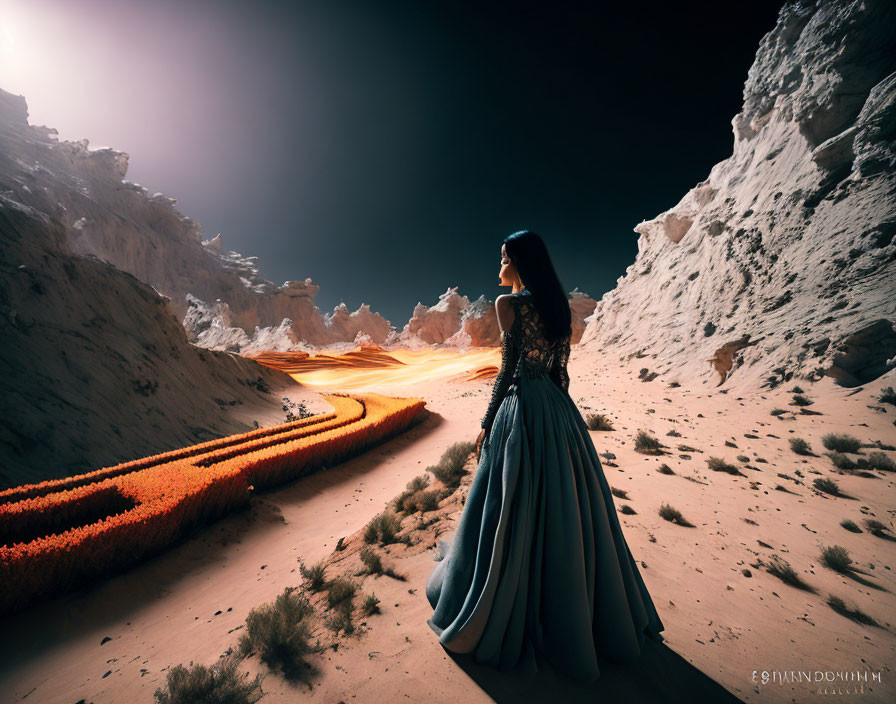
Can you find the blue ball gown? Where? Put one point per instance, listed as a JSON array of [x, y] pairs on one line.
[[539, 566]]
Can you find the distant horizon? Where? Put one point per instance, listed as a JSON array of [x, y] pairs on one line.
[[385, 151]]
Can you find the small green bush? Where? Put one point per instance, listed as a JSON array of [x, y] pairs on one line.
[[673, 515], [850, 526], [619, 493], [781, 569], [800, 400], [221, 682], [450, 468], [371, 560], [314, 576], [778, 412], [626, 509], [880, 461], [340, 592], [281, 632], [857, 615], [837, 558], [828, 486], [665, 469], [800, 446], [382, 527], [841, 442], [717, 464], [796, 390], [370, 605], [598, 421], [841, 461], [875, 527], [647, 444]]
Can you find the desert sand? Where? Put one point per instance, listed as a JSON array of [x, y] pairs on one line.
[[189, 603]]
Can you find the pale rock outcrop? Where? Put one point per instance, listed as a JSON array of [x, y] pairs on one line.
[[782, 263], [96, 369], [118, 221], [456, 322]]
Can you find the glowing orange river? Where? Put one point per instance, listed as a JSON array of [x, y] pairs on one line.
[[371, 366]]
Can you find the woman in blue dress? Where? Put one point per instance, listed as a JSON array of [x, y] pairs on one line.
[[539, 568]]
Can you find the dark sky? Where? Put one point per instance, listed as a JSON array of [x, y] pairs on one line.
[[386, 148]]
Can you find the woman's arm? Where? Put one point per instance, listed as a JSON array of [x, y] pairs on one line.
[[509, 356], [558, 373]]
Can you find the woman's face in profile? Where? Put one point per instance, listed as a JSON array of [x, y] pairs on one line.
[[507, 274]]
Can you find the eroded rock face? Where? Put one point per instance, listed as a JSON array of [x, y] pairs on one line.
[[455, 321], [118, 221], [782, 263], [97, 370]]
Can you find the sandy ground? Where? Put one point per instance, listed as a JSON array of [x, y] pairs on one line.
[[721, 626]]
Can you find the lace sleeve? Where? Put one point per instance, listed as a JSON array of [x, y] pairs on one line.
[[509, 357], [558, 373]]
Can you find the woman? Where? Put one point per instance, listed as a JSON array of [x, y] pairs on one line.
[[539, 567]]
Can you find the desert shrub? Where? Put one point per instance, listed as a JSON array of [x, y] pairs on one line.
[[841, 461], [674, 384], [619, 493], [450, 468], [221, 682], [382, 527], [857, 615], [728, 443], [628, 510], [888, 395], [687, 448], [875, 527], [429, 500], [850, 526], [314, 576], [800, 446], [841, 442], [646, 443], [743, 458], [341, 621], [781, 569], [717, 464], [828, 486], [880, 461], [371, 560], [598, 421], [665, 469], [370, 605], [778, 411], [340, 593], [673, 515], [281, 632], [405, 502], [837, 558], [796, 390], [800, 400]]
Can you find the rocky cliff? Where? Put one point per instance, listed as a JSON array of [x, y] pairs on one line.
[[94, 368], [782, 263], [118, 221]]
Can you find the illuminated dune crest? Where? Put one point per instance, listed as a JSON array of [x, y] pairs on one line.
[[371, 366]]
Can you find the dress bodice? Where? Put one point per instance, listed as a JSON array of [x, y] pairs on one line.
[[525, 349]]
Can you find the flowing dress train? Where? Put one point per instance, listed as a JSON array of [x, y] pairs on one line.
[[539, 565]]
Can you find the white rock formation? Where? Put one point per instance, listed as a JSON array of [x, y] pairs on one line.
[[96, 369], [456, 322], [782, 263]]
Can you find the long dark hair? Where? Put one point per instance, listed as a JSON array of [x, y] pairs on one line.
[[530, 256]]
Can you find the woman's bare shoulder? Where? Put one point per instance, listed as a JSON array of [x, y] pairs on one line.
[[505, 310]]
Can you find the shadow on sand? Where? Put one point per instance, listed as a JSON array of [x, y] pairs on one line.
[[661, 675]]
